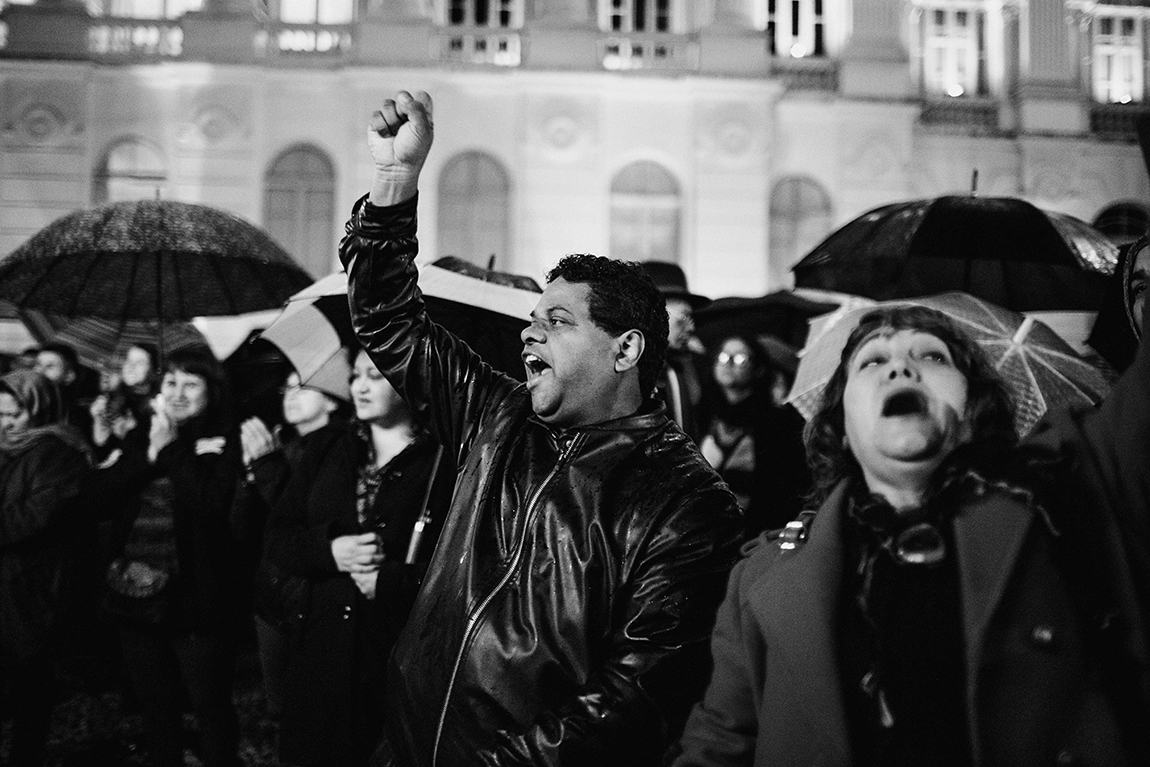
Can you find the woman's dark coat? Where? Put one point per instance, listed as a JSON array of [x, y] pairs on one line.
[[340, 641], [39, 530], [1056, 641], [204, 466]]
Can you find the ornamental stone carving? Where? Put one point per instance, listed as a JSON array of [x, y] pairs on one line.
[[563, 130], [728, 134]]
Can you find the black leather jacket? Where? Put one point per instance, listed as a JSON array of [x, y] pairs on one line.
[[565, 615]]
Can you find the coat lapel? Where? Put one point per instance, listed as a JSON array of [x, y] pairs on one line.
[[798, 611], [988, 535]]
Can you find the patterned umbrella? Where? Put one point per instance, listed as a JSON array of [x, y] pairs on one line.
[[488, 310], [1041, 370], [1000, 249], [150, 260]]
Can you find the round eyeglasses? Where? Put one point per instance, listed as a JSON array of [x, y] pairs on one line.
[[738, 359]]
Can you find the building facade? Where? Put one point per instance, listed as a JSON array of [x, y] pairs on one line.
[[729, 136]]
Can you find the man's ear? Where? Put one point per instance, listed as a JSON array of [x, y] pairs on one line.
[[631, 346]]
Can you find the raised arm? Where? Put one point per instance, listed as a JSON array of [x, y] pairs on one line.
[[447, 386]]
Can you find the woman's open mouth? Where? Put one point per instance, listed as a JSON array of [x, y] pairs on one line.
[[904, 402]]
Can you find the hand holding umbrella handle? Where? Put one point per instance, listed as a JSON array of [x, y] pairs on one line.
[[399, 136]]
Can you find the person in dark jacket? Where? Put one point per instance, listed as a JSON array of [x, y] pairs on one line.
[[349, 524], [958, 598], [184, 646], [270, 456], [755, 444], [682, 382], [43, 462], [565, 612]]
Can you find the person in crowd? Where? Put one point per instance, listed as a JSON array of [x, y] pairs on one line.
[[121, 412], [959, 598], [681, 382], [127, 402], [59, 362], [754, 443], [310, 412], [43, 461], [349, 523], [1116, 330], [565, 612], [177, 577]]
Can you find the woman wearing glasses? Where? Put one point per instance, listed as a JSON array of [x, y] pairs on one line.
[[958, 598], [352, 524], [311, 414], [754, 442]]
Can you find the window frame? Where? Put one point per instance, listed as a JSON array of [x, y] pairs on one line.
[[1109, 46], [649, 204], [301, 191]]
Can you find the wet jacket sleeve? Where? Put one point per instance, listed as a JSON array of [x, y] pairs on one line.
[[40, 492], [633, 707], [448, 387]]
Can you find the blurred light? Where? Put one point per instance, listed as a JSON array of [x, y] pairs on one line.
[[1125, 99], [955, 90], [798, 50]]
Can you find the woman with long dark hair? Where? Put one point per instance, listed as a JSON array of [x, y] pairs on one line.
[[754, 443], [358, 521]]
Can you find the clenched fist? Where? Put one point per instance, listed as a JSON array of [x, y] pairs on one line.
[[399, 136]]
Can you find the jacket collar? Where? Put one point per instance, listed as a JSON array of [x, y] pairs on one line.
[[651, 413]]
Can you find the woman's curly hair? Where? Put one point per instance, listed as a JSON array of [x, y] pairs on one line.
[[989, 407]]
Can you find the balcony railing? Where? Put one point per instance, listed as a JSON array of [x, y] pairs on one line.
[[966, 114], [649, 52], [477, 45], [1117, 121], [116, 38], [304, 41], [806, 74]]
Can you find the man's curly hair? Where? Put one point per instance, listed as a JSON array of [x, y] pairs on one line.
[[988, 402], [623, 297]]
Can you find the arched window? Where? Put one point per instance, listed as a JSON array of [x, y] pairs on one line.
[[645, 212], [132, 169], [1123, 222], [800, 217], [299, 207], [473, 210]]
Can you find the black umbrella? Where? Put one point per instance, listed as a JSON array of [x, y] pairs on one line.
[[1001, 249], [783, 314], [150, 260]]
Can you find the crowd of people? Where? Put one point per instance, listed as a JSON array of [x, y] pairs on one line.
[[638, 556]]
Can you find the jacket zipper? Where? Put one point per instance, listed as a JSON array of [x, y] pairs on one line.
[[503, 581]]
